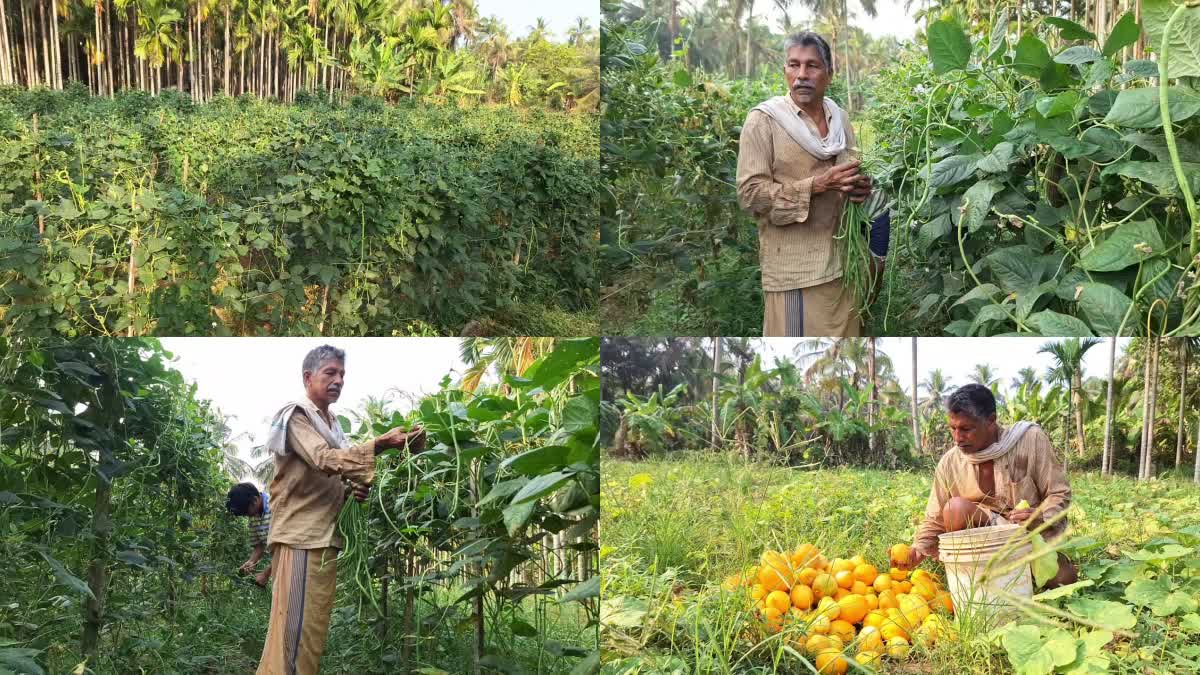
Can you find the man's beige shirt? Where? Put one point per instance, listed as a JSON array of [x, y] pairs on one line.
[[774, 183], [307, 492], [1029, 471]]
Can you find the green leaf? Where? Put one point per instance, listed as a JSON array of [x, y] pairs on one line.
[[580, 414], [1111, 615], [1159, 174], [953, 169], [978, 201], [1053, 324], [1123, 34], [1077, 55], [590, 665], [1103, 306], [1168, 552], [1063, 591], [1032, 653], [1148, 592], [998, 159], [516, 516], [541, 486], [1058, 105], [66, 578], [1139, 108], [1183, 45], [682, 78], [1045, 565], [986, 314], [538, 461], [622, 611], [1122, 248], [1031, 57], [583, 591], [999, 42], [503, 489], [568, 355], [1190, 623], [949, 48], [522, 628], [20, 660], [1069, 30], [1015, 267]]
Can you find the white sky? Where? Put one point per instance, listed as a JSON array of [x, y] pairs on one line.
[[251, 378], [891, 18], [520, 16], [957, 356]]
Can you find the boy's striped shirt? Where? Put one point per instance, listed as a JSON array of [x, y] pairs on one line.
[[260, 526]]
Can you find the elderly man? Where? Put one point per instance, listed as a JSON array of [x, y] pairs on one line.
[[795, 171], [312, 456], [988, 474]]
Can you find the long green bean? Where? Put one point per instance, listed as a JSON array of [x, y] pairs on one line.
[[855, 253], [353, 524]]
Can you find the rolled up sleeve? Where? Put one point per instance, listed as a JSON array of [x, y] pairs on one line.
[[926, 538], [1051, 481], [758, 192], [356, 463]]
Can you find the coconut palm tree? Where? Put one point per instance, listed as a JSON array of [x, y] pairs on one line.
[[1068, 367], [579, 31]]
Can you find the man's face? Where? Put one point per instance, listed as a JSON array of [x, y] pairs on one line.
[[972, 434], [807, 74], [325, 385]]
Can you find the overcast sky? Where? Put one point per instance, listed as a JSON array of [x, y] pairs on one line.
[[891, 18], [520, 15], [957, 356], [251, 378]]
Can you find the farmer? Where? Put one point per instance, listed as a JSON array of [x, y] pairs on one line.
[[795, 172], [246, 500], [989, 472], [312, 456]]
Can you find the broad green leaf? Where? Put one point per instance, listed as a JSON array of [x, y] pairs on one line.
[[1069, 30], [1139, 108], [583, 591], [541, 486], [1129, 244], [580, 414], [516, 516], [622, 611], [953, 169], [20, 660], [1159, 174], [977, 201], [503, 489], [1045, 565], [1123, 34], [1190, 623], [1103, 306], [999, 42], [1053, 324], [1077, 55], [1031, 57], [1057, 105], [1015, 267], [682, 77], [1183, 44], [590, 665], [1168, 552], [1032, 653], [538, 461], [1148, 592], [998, 159], [986, 314], [949, 48], [1111, 615], [66, 578], [1063, 591]]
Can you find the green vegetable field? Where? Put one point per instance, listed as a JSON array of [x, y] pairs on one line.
[[117, 554], [154, 215]]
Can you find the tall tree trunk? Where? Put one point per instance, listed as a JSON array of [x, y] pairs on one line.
[[716, 387], [1106, 460], [872, 397], [749, 41], [111, 46], [1183, 364], [44, 30], [228, 60], [1153, 408], [4, 57], [93, 615], [96, 51], [916, 417], [1077, 401], [1141, 463], [1196, 470]]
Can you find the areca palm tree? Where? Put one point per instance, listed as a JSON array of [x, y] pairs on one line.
[[1068, 368], [579, 31], [504, 356]]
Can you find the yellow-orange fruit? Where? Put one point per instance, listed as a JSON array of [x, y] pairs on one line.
[[872, 601], [844, 578], [853, 608], [843, 630], [773, 619], [823, 585], [874, 618], [802, 597], [882, 582], [865, 573], [779, 600], [831, 663], [870, 640], [898, 574], [898, 554]]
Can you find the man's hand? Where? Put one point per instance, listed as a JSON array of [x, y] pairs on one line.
[[842, 178], [247, 567], [262, 577], [915, 556], [861, 190], [397, 438], [360, 491], [1022, 516]]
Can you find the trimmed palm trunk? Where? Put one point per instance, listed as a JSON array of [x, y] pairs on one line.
[[916, 417], [1106, 460], [1183, 364]]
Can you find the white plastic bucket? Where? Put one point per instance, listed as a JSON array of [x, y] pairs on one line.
[[980, 567]]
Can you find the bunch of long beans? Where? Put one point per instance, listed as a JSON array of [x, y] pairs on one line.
[[852, 242], [355, 557]]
